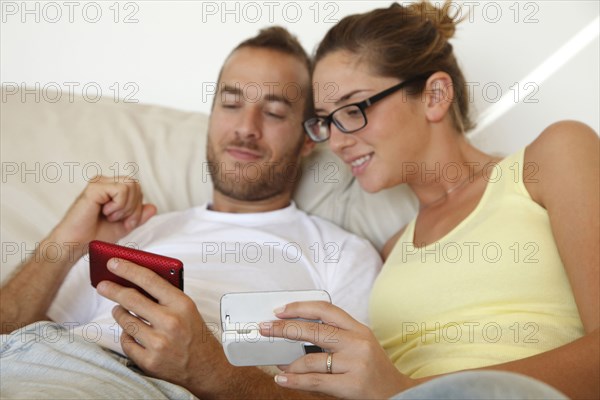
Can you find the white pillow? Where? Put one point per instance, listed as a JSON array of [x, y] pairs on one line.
[[51, 150]]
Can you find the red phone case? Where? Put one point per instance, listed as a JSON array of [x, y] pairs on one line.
[[100, 252]]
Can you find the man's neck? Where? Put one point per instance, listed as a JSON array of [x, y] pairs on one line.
[[223, 203]]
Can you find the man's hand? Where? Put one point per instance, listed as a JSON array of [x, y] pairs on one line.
[[107, 209], [168, 340]]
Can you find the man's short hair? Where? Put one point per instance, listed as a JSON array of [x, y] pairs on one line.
[[280, 39]]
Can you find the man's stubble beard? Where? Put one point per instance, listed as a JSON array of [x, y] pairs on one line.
[[242, 183]]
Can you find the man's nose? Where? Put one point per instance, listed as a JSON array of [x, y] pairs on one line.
[[250, 123]]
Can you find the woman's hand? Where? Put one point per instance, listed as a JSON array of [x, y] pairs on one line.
[[359, 368]]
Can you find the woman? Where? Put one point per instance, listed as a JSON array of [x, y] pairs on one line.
[[499, 270]]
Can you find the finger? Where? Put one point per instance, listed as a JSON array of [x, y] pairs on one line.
[[324, 335], [116, 196], [319, 310], [131, 348], [129, 197], [136, 328], [141, 342], [133, 202], [132, 221], [147, 211], [324, 383], [99, 192], [122, 198], [312, 362], [146, 279], [129, 298]]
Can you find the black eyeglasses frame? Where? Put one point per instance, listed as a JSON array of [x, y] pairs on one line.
[[361, 105]]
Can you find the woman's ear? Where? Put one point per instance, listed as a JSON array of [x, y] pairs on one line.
[[439, 95]]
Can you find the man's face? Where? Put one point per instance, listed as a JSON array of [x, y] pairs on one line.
[[255, 136]]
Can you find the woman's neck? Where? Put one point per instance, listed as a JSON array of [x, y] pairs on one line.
[[452, 164]]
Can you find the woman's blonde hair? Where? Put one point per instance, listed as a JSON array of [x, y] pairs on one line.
[[405, 42]]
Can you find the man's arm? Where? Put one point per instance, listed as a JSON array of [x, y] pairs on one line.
[[252, 383], [26, 297], [177, 345], [107, 209]]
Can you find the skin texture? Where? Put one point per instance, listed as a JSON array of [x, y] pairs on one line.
[[106, 210], [405, 137], [259, 141]]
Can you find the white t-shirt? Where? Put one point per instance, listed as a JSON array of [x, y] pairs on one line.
[[284, 249]]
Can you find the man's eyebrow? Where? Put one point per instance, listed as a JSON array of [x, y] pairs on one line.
[[274, 97], [231, 89], [268, 97]]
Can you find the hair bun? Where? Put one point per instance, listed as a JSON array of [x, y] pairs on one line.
[[444, 19]]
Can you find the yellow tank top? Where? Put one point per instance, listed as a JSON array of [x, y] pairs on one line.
[[492, 290]]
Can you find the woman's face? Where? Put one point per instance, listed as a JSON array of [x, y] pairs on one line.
[[387, 150]]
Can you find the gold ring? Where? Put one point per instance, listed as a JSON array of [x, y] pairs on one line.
[[329, 362]]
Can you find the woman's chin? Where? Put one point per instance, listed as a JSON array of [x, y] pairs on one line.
[[370, 186]]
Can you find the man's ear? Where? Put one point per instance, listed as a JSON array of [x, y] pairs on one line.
[[307, 147], [438, 96]]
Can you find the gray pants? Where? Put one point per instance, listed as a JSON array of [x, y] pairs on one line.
[[44, 361]]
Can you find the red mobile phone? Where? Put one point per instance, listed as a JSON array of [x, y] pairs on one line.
[[171, 269]]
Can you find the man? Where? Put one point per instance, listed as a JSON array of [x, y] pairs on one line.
[[250, 237]]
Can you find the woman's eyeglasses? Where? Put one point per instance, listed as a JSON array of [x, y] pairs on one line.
[[351, 117]]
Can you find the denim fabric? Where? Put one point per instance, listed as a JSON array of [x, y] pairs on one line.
[[482, 385]]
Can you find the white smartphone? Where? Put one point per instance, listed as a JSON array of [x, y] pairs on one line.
[[242, 342]]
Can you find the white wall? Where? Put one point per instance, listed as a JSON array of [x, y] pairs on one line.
[[169, 53]]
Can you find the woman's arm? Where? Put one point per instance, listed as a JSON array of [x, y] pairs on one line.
[[361, 369], [567, 184]]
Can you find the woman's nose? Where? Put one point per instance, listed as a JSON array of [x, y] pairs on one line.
[[339, 140]]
